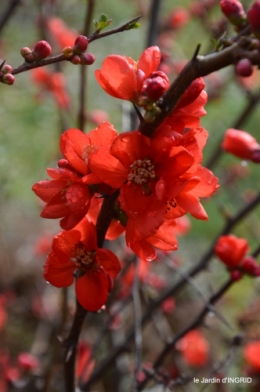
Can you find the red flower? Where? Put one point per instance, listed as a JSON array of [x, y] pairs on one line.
[[231, 250], [194, 348], [66, 197], [241, 144], [251, 354], [54, 83], [143, 172], [123, 78], [85, 364], [77, 147], [164, 239], [156, 175], [75, 253], [62, 35]]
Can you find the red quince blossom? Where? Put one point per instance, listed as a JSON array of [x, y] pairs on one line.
[[231, 250], [136, 166], [123, 78], [62, 35], [84, 365], [194, 348], [241, 144], [164, 239], [65, 196], [75, 253], [156, 175], [251, 355], [52, 82], [77, 147], [68, 195]]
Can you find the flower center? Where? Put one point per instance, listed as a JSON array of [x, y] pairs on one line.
[[87, 151], [141, 171], [170, 204], [83, 259]]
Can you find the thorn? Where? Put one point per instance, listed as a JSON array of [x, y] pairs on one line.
[[1, 66], [138, 113], [196, 52]]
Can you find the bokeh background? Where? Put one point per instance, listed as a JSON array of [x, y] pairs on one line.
[[30, 126]]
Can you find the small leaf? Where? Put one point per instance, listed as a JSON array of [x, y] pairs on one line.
[[134, 25], [103, 18], [95, 23]]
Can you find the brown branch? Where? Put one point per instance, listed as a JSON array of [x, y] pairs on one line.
[[120, 29], [83, 71], [194, 324], [200, 66], [70, 345]]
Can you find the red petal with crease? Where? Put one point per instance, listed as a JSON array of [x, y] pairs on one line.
[[59, 274], [117, 76], [108, 261], [108, 169], [92, 290], [130, 146], [149, 60]]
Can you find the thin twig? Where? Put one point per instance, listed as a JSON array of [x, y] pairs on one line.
[[70, 345], [125, 27], [138, 324], [83, 71], [194, 324]]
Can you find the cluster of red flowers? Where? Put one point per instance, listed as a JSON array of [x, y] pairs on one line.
[[158, 179], [232, 251]]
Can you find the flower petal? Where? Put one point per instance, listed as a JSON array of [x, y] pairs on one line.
[[92, 290]]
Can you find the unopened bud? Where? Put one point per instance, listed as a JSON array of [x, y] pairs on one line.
[[156, 85], [234, 11], [81, 44], [87, 58], [27, 361], [8, 79], [244, 68], [41, 50], [76, 60], [235, 275], [25, 51], [68, 52], [7, 69], [255, 156], [253, 15], [248, 264]]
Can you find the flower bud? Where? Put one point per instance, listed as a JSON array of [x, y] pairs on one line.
[[81, 44], [7, 69], [253, 15], [156, 85], [25, 51], [235, 275], [68, 52], [8, 79], [191, 93], [87, 58], [248, 265], [27, 361], [76, 60], [234, 11], [244, 68], [41, 50]]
